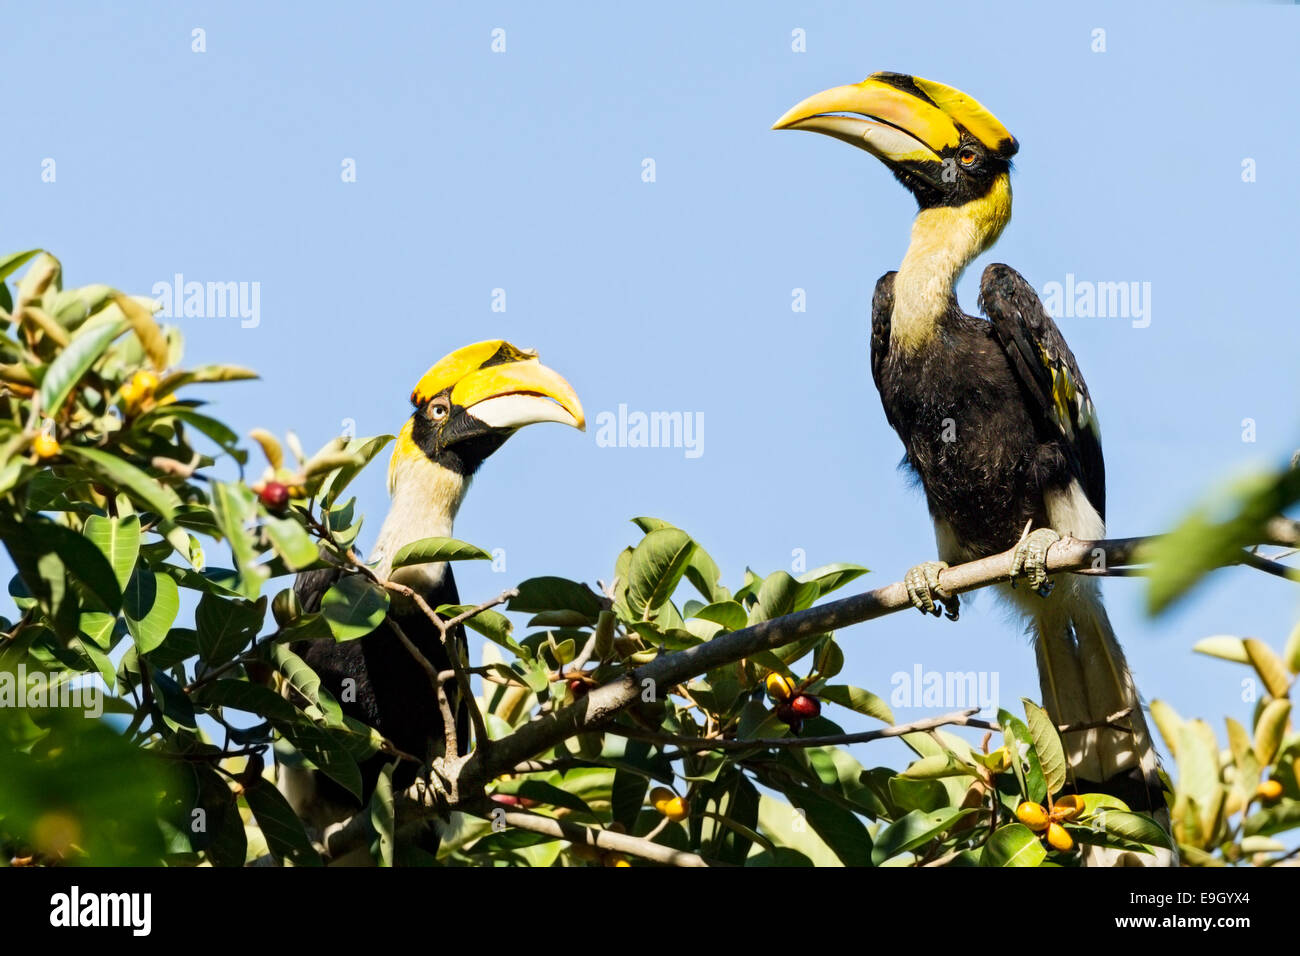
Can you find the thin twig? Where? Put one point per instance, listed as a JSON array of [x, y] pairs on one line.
[[1268, 566], [959, 718], [600, 839]]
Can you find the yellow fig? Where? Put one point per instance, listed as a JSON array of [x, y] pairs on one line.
[[45, 445], [616, 859], [1066, 808], [1059, 837], [779, 687], [139, 389], [669, 804], [1269, 789], [1032, 815]]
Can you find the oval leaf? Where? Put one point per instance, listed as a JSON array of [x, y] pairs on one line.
[[426, 550], [354, 607]]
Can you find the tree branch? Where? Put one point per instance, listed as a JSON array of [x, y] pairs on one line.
[[959, 718], [600, 839], [602, 704]]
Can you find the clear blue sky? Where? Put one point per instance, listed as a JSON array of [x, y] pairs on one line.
[[522, 170]]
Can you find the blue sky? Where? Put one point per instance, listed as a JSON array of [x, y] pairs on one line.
[[522, 170]]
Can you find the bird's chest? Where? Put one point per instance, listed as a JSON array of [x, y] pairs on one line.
[[957, 409]]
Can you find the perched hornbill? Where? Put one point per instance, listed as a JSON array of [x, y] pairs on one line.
[[466, 406], [994, 415]]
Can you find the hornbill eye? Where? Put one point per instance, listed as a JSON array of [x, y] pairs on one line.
[[969, 156], [438, 409]]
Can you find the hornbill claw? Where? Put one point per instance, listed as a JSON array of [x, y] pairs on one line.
[[922, 584], [1030, 559]]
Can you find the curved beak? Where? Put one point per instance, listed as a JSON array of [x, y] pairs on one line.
[[515, 394], [894, 126], [907, 122]]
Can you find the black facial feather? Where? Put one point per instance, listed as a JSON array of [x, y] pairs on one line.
[[459, 442]]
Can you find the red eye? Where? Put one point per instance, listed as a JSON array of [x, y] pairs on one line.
[[968, 157]]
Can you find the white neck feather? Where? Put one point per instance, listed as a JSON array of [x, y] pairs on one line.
[[944, 241], [426, 498]]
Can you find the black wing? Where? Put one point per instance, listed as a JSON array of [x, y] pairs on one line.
[[1053, 385], [882, 307], [310, 586], [390, 691]]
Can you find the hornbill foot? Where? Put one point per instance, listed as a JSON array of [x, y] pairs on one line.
[[922, 583], [1030, 560]]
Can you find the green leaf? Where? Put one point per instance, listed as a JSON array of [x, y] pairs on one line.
[[146, 329], [74, 361], [222, 435], [286, 838], [10, 263], [292, 543], [780, 594], [296, 673], [1269, 666], [383, 815], [1051, 755], [936, 766], [1168, 722], [727, 613], [233, 507], [493, 625], [1270, 729], [207, 373], [797, 843], [1223, 646], [1020, 744], [364, 450], [150, 605], [914, 830], [859, 700], [1133, 826], [1013, 845], [354, 607], [325, 751], [658, 563], [250, 698], [226, 626], [1285, 816], [118, 473], [556, 594], [831, 577], [118, 539], [1292, 652], [1201, 543], [48, 556], [1200, 794], [426, 550], [629, 788]]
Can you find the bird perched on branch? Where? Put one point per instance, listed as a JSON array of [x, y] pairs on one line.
[[994, 414], [466, 406]]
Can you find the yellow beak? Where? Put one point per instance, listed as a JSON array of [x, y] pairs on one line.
[[520, 393], [899, 119]]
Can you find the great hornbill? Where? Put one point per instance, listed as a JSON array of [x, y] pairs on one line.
[[994, 415], [466, 406]]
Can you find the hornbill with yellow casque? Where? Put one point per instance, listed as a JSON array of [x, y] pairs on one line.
[[466, 406], [994, 414]]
